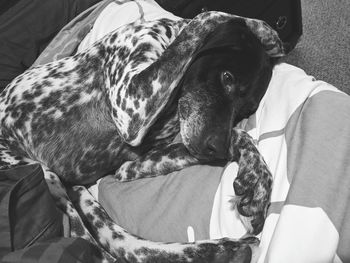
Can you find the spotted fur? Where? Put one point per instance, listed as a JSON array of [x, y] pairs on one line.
[[114, 109]]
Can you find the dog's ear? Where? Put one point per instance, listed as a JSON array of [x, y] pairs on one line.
[[233, 32], [268, 37]]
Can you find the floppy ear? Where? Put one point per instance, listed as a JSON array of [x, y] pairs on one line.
[[156, 83], [272, 44], [228, 34]]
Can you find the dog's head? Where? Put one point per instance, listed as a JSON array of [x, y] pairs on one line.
[[224, 84]]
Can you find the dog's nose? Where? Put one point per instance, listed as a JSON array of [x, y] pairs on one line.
[[216, 146]]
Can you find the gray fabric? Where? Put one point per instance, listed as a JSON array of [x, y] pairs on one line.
[[324, 48], [162, 208], [317, 137]]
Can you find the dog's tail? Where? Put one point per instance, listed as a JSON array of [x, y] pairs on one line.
[[130, 248]]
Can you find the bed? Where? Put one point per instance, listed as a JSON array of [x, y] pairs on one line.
[[302, 129]]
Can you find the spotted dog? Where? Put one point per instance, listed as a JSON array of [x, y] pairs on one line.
[[116, 108]]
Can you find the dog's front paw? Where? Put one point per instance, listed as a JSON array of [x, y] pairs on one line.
[[253, 186], [127, 172], [160, 161]]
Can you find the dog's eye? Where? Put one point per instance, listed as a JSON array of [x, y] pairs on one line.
[[227, 80]]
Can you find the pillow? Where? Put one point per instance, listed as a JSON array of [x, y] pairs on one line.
[[164, 208], [184, 206]]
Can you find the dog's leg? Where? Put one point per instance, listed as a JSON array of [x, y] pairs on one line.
[[159, 161], [129, 248], [253, 183]]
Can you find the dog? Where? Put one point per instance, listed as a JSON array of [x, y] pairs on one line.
[[116, 108]]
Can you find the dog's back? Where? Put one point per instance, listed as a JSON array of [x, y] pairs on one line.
[[60, 114]]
